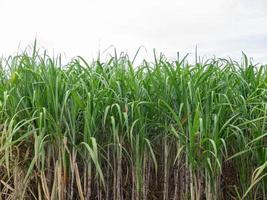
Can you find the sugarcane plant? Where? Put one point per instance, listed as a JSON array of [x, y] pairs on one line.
[[111, 129]]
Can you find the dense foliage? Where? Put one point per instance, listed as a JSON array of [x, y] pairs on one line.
[[112, 130]]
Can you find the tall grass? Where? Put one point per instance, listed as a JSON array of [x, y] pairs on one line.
[[112, 130]]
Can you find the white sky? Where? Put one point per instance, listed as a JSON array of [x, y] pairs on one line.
[[83, 27]]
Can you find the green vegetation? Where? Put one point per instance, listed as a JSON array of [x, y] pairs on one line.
[[112, 130]]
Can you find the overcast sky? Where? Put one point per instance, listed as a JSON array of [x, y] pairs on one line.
[[84, 27]]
